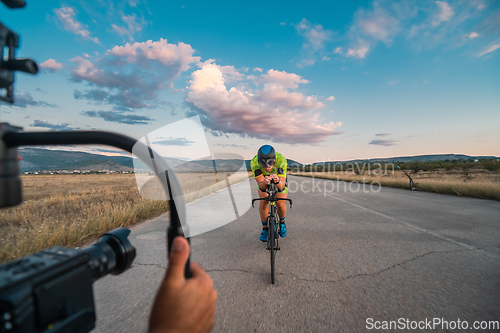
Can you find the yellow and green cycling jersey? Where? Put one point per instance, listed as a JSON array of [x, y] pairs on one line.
[[279, 168]]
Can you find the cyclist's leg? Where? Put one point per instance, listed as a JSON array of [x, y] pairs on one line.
[[282, 210], [263, 206], [263, 212], [282, 204]]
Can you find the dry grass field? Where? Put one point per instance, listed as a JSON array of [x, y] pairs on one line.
[[480, 183], [71, 210]]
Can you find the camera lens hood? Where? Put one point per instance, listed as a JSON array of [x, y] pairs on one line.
[[124, 251]]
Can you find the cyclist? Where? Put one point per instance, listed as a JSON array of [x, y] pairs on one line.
[[269, 166]]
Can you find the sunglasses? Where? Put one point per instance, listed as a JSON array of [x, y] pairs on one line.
[[269, 162]]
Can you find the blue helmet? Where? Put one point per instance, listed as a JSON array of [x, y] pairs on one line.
[[266, 156]]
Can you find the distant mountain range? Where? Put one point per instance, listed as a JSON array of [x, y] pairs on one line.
[[37, 159], [421, 158]]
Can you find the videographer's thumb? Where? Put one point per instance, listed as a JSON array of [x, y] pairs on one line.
[[179, 255]]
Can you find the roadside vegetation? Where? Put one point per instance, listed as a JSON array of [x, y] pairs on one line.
[[462, 178], [71, 210]]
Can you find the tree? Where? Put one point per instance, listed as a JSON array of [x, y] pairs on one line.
[[415, 167]]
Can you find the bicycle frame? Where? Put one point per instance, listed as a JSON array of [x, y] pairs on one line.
[[272, 190], [272, 224]]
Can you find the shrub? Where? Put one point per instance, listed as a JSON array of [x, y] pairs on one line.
[[491, 165], [447, 166]]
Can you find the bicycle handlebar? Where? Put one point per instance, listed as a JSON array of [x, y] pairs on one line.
[[269, 199], [272, 189]]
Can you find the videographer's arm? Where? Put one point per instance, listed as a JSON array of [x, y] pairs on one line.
[[183, 305]]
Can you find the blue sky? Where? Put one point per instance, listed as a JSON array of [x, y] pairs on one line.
[[318, 80]]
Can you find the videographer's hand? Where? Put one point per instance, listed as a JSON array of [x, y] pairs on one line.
[[183, 305]]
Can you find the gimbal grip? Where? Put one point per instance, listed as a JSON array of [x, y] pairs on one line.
[[171, 234]]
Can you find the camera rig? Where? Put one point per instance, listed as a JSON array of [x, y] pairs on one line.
[[9, 42], [51, 291]]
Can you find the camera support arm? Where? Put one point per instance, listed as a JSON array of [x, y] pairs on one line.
[[12, 139]]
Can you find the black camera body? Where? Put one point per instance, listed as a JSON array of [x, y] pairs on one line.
[[51, 290], [48, 290]]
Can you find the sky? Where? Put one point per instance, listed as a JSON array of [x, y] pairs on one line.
[[318, 80]]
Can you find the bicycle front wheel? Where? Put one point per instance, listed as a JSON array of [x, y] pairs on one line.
[[272, 237]]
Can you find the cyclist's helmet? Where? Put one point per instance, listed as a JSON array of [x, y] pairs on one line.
[[266, 156]]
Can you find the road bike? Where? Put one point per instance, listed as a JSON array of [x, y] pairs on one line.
[[272, 223]]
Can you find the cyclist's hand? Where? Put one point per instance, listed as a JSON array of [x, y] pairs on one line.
[[183, 305], [275, 179], [267, 179]]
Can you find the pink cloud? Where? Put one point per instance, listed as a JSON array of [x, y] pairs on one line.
[[360, 50], [472, 35], [445, 13], [67, 16], [162, 51], [315, 39], [370, 27], [489, 49], [51, 64], [315, 35], [130, 76], [259, 113], [287, 80], [378, 24], [131, 27]]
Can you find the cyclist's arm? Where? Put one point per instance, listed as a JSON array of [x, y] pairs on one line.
[[261, 182], [282, 174], [282, 181], [281, 185]]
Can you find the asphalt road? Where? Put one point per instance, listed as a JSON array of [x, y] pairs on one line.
[[350, 255]]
